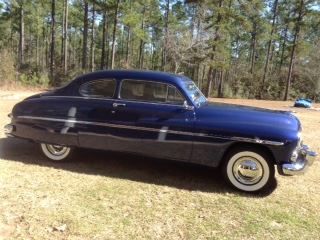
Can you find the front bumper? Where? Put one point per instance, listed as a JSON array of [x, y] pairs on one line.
[[302, 159]]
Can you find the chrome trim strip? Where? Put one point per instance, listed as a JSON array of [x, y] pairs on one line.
[[150, 129], [211, 136], [251, 140], [273, 143], [75, 97], [107, 125], [63, 120], [260, 141]]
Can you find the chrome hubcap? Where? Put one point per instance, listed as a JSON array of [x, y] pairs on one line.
[[248, 170], [57, 150]]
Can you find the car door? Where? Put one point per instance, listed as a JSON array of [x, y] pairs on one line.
[[93, 113], [150, 119]]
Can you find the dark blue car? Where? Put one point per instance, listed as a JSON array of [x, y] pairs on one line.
[[166, 116]]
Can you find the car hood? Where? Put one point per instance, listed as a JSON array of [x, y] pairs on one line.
[[247, 121]]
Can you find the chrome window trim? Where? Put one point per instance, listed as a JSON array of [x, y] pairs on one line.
[[195, 102], [151, 81], [95, 81]]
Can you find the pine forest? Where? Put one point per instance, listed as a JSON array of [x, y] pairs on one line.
[[255, 49]]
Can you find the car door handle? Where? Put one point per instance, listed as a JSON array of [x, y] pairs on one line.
[[119, 105]]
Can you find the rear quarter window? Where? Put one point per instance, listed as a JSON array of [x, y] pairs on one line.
[[99, 89]]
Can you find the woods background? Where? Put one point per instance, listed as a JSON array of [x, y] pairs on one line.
[[230, 48]]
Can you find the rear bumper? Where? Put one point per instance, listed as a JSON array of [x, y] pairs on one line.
[[303, 158], [8, 129]]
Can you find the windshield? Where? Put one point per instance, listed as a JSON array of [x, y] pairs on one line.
[[194, 93]]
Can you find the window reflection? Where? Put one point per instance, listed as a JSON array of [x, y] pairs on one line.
[[194, 93], [99, 89], [150, 92]]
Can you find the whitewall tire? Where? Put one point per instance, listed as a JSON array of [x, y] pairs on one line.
[[249, 170], [56, 152]]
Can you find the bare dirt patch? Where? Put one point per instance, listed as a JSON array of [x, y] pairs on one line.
[[113, 196]]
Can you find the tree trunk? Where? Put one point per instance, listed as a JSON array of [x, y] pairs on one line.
[[253, 50], [92, 39], [166, 35], [293, 56], [283, 48], [211, 76], [196, 69], [85, 36], [128, 30], [114, 34], [53, 40], [220, 88], [104, 37], [266, 67], [21, 37], [64, 54], [38, 41], [46, 55], [65, 37], [128, 46], [213, 71], [141, 49]]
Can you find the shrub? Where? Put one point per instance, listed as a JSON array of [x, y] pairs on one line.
[[7, 69], [33, 75]]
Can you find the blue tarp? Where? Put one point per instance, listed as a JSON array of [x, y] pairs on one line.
[[303, 102]]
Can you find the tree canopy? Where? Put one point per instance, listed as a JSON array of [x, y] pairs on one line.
[[266, 49]]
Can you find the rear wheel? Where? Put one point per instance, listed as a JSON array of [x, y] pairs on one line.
[[56, 152], [249, 170]]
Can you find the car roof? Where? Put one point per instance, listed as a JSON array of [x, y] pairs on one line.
[[133, 74], [164, 77]]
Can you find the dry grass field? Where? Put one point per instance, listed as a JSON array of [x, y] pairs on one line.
[[103, 195]]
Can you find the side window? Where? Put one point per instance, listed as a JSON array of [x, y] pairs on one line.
[[99, 89], [132, 89], [150, 92], [174, 96]]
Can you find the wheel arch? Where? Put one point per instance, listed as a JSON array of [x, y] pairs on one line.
[[243, 145]]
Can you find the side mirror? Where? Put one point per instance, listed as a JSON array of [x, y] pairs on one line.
[[187, 107]]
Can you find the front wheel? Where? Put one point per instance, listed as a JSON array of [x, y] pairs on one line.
[[56, 152], [249, 170]]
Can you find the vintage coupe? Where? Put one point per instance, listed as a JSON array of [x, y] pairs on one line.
[[165, 116]]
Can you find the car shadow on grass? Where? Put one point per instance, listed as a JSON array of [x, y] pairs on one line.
[[126, 166]]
